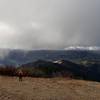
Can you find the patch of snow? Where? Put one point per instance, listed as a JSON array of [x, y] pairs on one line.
[[91, 48]]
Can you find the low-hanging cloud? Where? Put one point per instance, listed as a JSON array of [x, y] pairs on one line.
[[49, 24]]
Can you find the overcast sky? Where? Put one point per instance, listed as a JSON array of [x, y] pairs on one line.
[[49, 24]]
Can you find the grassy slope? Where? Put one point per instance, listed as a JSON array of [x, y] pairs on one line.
[[48, 89]]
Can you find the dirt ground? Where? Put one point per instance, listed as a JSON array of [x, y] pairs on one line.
[[48, 89]]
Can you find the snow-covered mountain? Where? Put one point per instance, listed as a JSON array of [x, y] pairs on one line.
[[91, 48]]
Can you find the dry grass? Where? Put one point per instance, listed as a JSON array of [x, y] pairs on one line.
[[48, 89]]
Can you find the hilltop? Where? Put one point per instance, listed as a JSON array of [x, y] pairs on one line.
[[48, 89]]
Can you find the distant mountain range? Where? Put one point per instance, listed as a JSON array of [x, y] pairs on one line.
[[82, 63], [91, 48], [17, 57]]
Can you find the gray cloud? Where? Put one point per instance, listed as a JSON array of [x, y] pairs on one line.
[[49, 24]]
